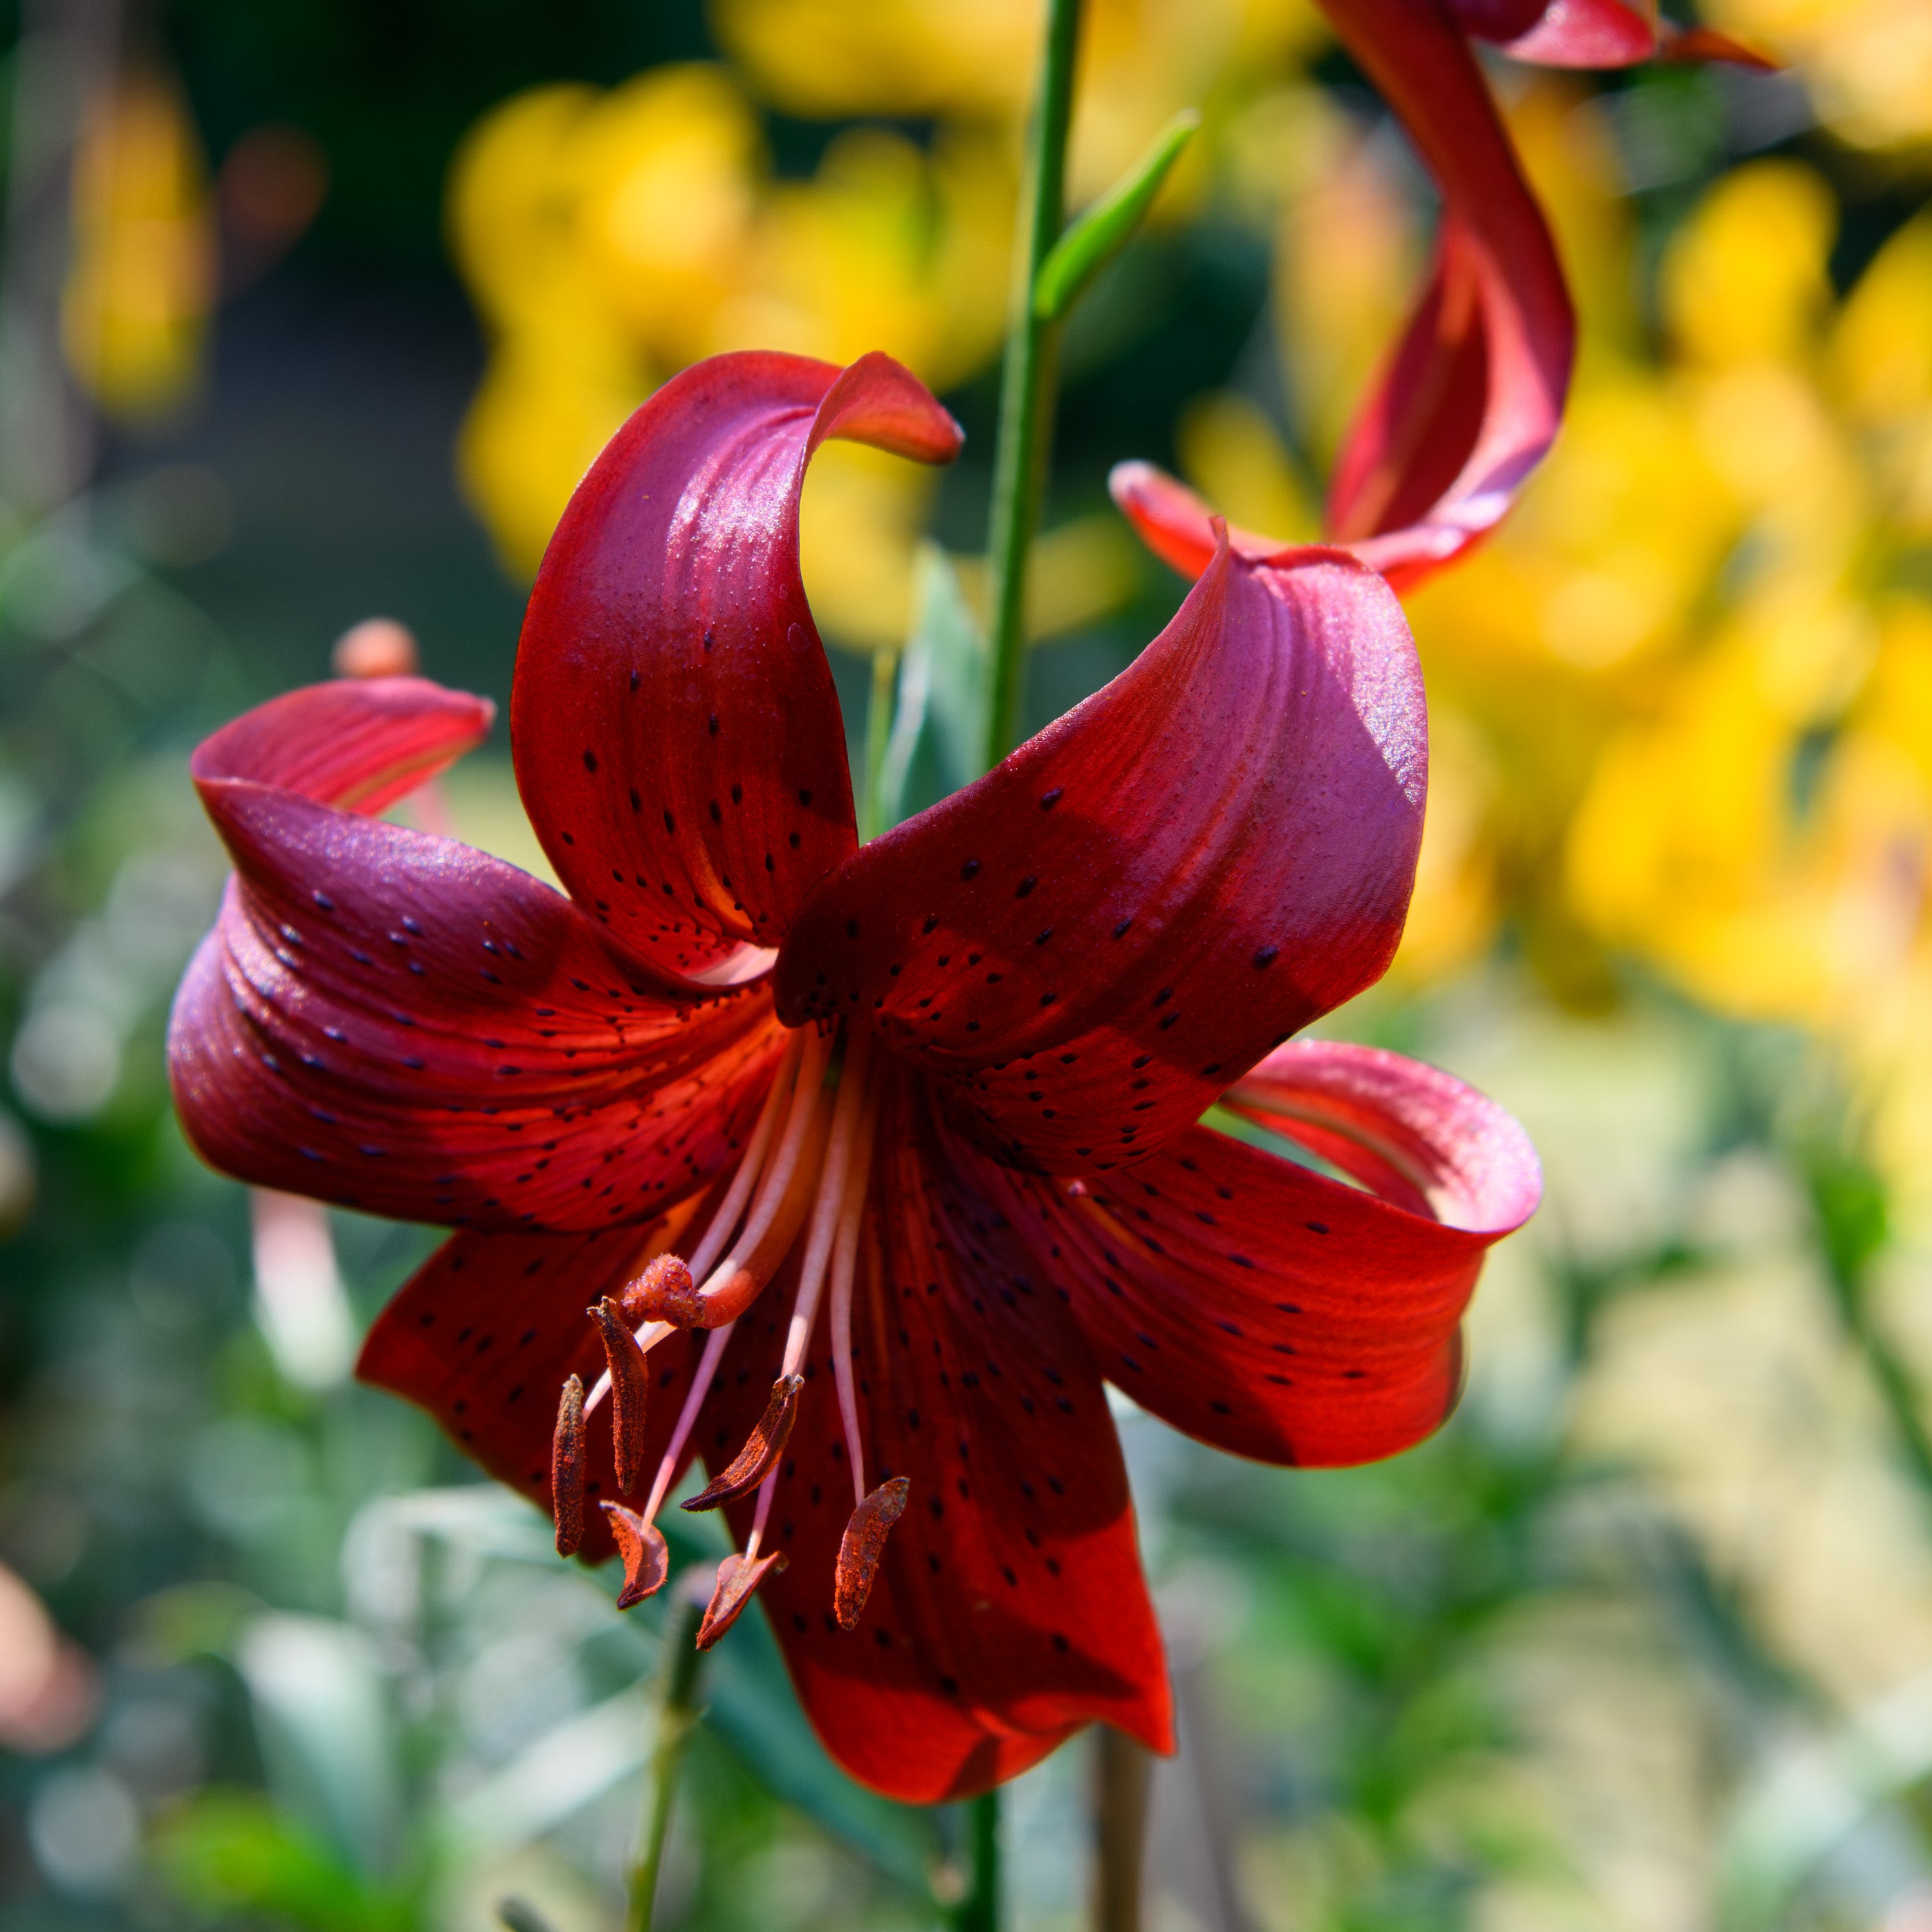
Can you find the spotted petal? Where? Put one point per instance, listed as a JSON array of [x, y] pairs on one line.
[[1270, 1311], [398, 1023], [1090, 942], [1009, 1607], [484, 1333], [678, 739]]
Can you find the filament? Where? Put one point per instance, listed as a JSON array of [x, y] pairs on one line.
[[848, 1130], [687, 1417], [845, 1266]]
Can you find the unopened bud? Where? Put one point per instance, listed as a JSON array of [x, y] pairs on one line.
[[376, 647]]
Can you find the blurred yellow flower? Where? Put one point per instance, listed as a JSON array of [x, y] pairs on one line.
[[141, 279]]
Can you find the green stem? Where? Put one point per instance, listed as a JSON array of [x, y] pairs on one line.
[[678, 1715], [1028, 383], [979, 1911], [878, 736]]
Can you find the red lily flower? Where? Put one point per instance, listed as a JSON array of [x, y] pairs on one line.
[[1035, 988], [1470, 400]]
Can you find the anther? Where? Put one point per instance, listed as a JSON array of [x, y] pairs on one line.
[[763, 1448], [646, 1559], [566, 1468], [630, 1389], [862, 1545], [664, 1292], [736, 1580]]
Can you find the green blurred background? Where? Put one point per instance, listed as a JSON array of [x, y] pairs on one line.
[[312, 312]]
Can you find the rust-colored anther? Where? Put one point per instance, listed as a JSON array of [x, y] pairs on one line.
[[736, 1580], [630, 1389], [763, 1448], [863, 1543], [566, 1468], [641, 1545], [664, 1292]]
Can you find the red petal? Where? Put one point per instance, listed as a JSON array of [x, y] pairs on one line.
[[1267, 1309], [399, 1024], [1008, 1607], [484, 1333], [1471, 399], [358, 744], [678, 739], [1092, 940], [1564, 33]]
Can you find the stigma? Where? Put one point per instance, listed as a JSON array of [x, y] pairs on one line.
[[801, 1187]]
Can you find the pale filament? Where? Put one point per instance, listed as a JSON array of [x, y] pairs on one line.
[[845, 1266], [847, 1128], [687, 1417], [844, 1244], [725, 1222], [786, 1167]]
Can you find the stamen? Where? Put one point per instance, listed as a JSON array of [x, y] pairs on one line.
[[723, 1222], [631, 1387], [845, 1266], [844, 1171], [762, 1450], [566, 1468], [780, 1205], [647, 1558], [738, 1576], [687, 1418], [664, 1292], [862, 1545]]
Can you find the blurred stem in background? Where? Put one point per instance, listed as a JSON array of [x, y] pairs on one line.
[[1848, 1199], [979, 1911], [677, 1717], [1028, 381], [1122, 1770]]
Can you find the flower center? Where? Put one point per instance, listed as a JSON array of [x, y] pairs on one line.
[[804, 1175]]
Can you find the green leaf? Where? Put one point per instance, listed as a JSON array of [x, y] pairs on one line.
[[751, 1708], [1105, 228], [940, 720], [229, 1851]]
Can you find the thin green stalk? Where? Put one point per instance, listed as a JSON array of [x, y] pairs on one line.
[[678, 1714], [1122, 1776], [1028, 382], [878, 736], [979, 1911]]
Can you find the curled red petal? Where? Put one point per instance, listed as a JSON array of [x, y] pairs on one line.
[[763, 1448], [486, 1331], [1089, 943], [1470, 401], [737, 1581], [861, 1547], [1564, 33], [1008, 1608], [398, 1023], [678, 739], [566, 1468], [630, 1394], [1270, 1311], [359, 745], [646, 1556]]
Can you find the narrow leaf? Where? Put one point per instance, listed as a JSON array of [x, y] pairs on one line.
[[1103, 230]]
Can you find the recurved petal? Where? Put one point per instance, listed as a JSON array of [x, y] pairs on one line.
[[1564, 33], [396, 1023], [1470, 401], [358, 744], [1088, 943], [678, 739], [1264, 1308], [1008, 1606], [484, 1333]]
